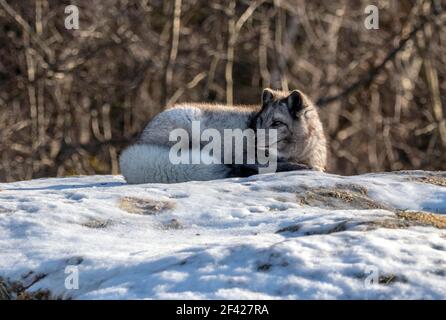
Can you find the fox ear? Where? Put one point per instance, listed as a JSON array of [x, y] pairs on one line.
[[295, 102], [267, 96]]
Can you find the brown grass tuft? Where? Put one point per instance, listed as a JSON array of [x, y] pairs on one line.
[[173, 224], [435, 180], [423, 218], [340, 197], [145, 206], [407, 219], [96, 224], [14, 290]]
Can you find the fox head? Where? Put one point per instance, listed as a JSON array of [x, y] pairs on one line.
[[296, 120]]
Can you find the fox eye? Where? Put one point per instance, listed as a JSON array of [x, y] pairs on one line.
[[276, 124]]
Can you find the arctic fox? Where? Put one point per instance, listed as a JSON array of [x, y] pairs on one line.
[[300, 134], [300, 141]]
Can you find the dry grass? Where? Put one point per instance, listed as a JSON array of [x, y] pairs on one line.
[[407, 219], [173, 224], [340, 197], [343, 195], [4, 292], [293, 228], [97, 224], [353, 187], [388, 224], [342, 226], [339, 227], [423, 218], [435, 180], [16, 291], [388, 279], [145, 206]]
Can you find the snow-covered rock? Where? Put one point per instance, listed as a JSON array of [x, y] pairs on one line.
[[296, 235]]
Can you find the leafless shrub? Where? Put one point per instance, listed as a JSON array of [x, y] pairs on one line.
[[70, 100]]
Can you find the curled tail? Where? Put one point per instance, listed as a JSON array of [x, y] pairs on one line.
[[146, 163]]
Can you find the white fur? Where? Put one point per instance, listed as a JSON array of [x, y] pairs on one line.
[[145, 163]]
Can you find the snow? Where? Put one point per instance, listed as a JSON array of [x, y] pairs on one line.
[[219, 239]]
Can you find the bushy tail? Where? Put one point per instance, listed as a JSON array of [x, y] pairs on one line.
[[144, 163]]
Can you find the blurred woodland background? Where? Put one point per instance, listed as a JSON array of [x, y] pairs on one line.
[[70, 100]]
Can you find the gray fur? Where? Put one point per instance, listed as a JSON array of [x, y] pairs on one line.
[[148, 160]]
